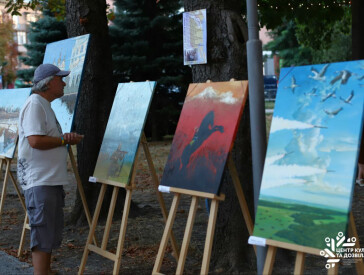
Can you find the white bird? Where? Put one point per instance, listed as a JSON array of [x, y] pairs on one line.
[[332, 94], [348, 100], [343, 76], [319, 75], [293, 84], [333, 113]]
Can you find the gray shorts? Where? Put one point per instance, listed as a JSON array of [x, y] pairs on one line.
[[45, 210]]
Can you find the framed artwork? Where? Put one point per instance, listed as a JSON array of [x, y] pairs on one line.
[[123, 131], [68, 55], [204, 136], [314, 140], [11, 101]]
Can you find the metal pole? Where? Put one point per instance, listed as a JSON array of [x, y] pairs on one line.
[[257, 111]]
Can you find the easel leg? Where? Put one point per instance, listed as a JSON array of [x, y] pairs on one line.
[[22, 238], [159, 195], [335, 270], [80, 189], [124, 221], [209, 237], [300, 263], [187, 235], [353, 233], [166, 233], [269, 260], [92, 228], [109, 217], [18, 192], [3, 194]]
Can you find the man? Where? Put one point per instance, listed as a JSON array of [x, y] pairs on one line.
[[42, 167]]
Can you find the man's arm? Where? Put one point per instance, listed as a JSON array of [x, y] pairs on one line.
[[46, 142]]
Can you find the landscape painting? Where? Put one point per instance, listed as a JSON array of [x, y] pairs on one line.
[[68, 55], [204, 136], [11, 102], [123, 131], [314, 141]]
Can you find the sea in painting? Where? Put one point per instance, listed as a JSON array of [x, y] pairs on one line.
[[204, 137], [314, 140], [123, 131]]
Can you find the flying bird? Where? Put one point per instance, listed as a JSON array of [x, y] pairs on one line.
[[319, 75], [332, 94], [343, 76], [333, 113], [350, 97], [312, 93], [293, 84]]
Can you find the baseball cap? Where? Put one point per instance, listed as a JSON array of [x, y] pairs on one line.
[[45, 70]]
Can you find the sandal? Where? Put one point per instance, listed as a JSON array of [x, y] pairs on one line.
[[360, 182]]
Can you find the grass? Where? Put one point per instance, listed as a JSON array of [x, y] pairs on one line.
[[269, 104]]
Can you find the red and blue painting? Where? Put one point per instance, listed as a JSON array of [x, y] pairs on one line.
[[204, 137]]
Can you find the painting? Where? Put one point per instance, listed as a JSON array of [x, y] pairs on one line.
[[68, 55], [204, 136], [11, 101], [123, 131], [311, 159]]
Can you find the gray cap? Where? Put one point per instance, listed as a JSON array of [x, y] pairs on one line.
[[46, 70]]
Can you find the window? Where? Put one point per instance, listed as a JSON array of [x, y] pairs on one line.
[[22, 38], [31, 17]]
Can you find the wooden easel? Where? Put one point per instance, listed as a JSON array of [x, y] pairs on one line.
[[302, 250], [7, 162], [191, 217], [116, 257], [82, 195]]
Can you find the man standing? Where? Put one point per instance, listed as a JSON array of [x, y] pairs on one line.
[[42, 167]]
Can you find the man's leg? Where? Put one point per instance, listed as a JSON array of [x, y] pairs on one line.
[[41, 262]]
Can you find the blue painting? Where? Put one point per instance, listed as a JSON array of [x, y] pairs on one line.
[[69, 55], [314, 141], [123, 131], [11, 101]]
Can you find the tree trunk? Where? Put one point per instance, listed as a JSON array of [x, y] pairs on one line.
[[97, 94], [357, 7], [226, 57]]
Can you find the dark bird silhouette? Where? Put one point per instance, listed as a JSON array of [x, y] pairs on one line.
[[333, 113], [206, 129], [350, 97], [293, 84], [318, 75], [343, 76], [312, 93], [332, 94]]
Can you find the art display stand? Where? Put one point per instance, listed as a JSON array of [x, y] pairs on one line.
[[82, 195], [303, 250], [7, 162], [116, 257], [191, 217]]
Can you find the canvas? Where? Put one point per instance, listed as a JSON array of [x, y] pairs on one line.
[[312, 153], [11, 101], [204, 136], [124, 128], [68, 55]]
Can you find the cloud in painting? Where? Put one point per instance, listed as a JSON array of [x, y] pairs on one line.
[[280, 123], [210, 93]]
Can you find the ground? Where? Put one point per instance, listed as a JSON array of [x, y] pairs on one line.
[[144, 232]]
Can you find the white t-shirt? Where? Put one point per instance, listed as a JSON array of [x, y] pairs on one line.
[[40, 167]]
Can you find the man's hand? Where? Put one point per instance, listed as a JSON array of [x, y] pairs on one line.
[[72, 138]]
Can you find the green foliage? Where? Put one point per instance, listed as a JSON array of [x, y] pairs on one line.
[[146, 42], [46, 30], [57, 7]]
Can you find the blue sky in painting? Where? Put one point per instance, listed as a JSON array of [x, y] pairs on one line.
[[61, 49], [315, 135], [127, 118]]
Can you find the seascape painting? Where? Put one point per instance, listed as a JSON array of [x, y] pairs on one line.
[[205, 134], [123, 131], [68, 55], [11, 101], [312, 154]]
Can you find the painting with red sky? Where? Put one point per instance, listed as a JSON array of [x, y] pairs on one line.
[[204, 136]]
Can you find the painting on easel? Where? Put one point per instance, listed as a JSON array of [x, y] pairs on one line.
[[123, 131], [204, 136], [68, 55], [311, 159], [11, 101]]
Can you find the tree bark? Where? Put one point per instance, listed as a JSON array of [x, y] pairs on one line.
[[226, 57], [97, 92]]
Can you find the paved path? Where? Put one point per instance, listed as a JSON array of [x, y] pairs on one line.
[[10, 265]]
